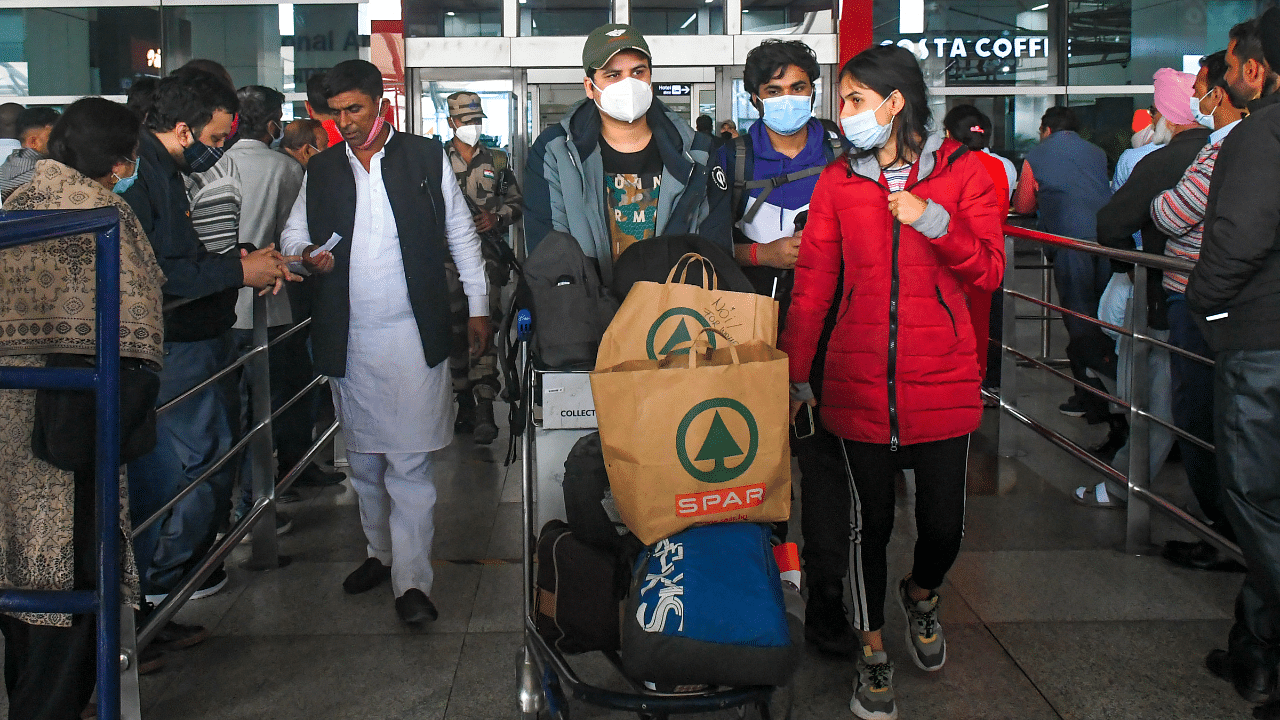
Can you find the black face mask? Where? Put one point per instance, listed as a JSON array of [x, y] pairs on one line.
[[200, 157]]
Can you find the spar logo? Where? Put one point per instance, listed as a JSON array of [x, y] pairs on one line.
[[672, 328], [718, 427]]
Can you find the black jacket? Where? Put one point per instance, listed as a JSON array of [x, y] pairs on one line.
[[412, 172], [1235, 287], [1129, 211], [159, 199]]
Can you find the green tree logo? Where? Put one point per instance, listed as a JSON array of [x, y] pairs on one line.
[[679, 332], [719, 446]]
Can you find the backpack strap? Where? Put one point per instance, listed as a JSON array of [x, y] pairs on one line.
[[774, 182], [743, 160], [834, 147]]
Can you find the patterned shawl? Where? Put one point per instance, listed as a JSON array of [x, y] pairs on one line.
[[47, 294]]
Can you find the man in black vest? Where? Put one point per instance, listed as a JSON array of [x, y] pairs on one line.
[[377, 218]]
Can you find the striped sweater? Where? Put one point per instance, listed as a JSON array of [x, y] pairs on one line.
[[1179, 212]]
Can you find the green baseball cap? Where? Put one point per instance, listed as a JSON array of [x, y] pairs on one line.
[[608, 40]]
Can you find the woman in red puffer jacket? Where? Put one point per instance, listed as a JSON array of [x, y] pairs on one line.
[[897, 229]]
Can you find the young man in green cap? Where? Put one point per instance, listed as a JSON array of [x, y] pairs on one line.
[[621, 167], [494, 200]]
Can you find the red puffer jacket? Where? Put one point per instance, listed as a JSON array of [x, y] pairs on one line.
[[901, 366]]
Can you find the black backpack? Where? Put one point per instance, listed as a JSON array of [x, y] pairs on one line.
[[570, 306]]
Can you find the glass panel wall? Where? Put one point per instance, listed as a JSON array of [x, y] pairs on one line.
[[787, 16], [1123, 42], [678, 17], [563, 17], [77, 51], [452, 18], [85, 51]]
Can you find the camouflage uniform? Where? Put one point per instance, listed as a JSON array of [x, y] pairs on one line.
[[480, 181]]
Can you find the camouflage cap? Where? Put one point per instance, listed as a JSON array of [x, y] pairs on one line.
[[465, 106], [608, 40]]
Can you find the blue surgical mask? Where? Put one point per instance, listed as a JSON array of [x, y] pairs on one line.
[[786, 114], [864, 131], [1205, 120], [123, 184]]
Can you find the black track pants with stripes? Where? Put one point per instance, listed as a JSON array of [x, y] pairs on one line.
[[940, 469]]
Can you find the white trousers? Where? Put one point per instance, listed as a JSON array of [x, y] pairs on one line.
[[397, 493]]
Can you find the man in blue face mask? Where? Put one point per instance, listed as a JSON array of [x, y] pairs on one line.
[[774, 167]]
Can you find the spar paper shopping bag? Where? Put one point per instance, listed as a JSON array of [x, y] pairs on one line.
[[656, 318], [696, 438]]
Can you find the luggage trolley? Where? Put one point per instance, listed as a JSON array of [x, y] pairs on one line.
[[544, 677]]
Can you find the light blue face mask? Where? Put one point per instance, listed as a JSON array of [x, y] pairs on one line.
[[864, 131], [786, 114], [123, 184], [1205, 120]]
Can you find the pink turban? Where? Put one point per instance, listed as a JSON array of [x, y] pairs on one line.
[[1173, 95]]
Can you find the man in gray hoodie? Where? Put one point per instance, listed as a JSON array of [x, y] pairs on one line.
[[620, 167]]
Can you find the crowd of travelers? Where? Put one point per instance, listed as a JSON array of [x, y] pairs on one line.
[[879, 234]]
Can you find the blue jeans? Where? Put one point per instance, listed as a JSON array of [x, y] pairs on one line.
[[189, 439], [1080, 279], [289, 367], [1193, 412]]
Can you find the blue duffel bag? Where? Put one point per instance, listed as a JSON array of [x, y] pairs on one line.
[[706, 607]]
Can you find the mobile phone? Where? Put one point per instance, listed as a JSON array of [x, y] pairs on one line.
[[802, 218], [803, 426]]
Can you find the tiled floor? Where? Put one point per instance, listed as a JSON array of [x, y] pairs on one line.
[[1046, 617]]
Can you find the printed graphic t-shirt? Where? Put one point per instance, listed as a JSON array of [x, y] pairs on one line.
[[632, 185]]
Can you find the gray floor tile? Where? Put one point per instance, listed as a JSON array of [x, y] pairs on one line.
[[1058, 586], [498, 605], [506, 541], [979, 682], [463, 529], [307, 677], [1137, 670], [307, 599]]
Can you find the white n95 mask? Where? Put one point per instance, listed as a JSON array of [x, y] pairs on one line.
[[468, 134], [626, 100]]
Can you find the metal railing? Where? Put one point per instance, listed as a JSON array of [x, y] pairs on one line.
[[1137, 479], [116, 666], [265, 552], [21, 228]]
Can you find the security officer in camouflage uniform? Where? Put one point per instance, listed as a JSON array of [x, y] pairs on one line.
[[491, 191]]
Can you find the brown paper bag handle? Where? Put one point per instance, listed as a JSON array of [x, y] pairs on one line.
[[709, 279], [699, 340]]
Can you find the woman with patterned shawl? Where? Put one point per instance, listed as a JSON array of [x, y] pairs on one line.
[[47, 535]]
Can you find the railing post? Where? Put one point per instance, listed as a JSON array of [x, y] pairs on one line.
[[1008, 442], [1138, 517], [266, 549], [107, 473], [1046, 288]]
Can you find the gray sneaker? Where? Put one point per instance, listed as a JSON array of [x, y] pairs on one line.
[[873, 690], [924, 631]]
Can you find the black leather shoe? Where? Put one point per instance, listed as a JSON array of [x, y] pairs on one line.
[[1253, 681], [1117, 436], [366, 577], [315, 477], [1200, 555], [1268, 711], [415, 607], [176, 636]]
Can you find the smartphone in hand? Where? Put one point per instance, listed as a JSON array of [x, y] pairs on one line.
[[803, 427]]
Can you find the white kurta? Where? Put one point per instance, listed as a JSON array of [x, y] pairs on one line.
[[390, 401]]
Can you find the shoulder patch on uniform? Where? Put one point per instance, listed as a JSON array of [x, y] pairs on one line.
[[717, 177]]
